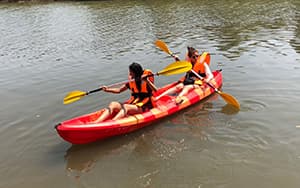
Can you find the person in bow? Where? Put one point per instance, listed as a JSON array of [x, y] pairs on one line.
[[190, 81], [141, 85]]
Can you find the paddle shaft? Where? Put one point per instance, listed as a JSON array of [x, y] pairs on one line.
[[174, 68], [116, 84], [93, 91], [125, 82], [112, 85]]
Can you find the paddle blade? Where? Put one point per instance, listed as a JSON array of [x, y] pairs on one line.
[[229, 99], [160, 44], [73, 96], [177, 67]]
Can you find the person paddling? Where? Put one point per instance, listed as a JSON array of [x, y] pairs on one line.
[[141, 84], [190, 80]]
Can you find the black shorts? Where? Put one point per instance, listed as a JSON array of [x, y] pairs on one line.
[[147, 106], [188, 81]]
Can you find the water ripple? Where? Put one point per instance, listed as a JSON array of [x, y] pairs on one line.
[[251, 105], [50, 49]]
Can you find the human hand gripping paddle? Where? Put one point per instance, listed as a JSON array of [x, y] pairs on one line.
[[177, 67], [228, 98]]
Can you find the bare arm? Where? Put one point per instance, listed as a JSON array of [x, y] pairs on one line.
[[115, 90], [208, 73]]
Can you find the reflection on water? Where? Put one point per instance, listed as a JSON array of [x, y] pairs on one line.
[[82, 158], [155, 145], [139, 157], [200, 114]]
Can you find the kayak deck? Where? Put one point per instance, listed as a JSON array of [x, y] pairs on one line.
[[82, 129]]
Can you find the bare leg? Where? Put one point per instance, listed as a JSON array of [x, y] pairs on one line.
[[119, 115], [172, 90], [103, 116], [130, 109], [184, 91], [113, 106]]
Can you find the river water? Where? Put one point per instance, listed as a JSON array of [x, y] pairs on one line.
[[50, 49]]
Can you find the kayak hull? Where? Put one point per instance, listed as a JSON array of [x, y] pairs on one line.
[[82, 130]]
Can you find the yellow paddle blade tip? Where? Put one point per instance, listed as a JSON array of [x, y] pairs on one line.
[[230, 99], [160, 44], [73, 96], [71, 100]]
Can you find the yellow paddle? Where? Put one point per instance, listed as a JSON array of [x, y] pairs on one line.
[[177, 67], [228, 98], [162, 45], [76, 95]]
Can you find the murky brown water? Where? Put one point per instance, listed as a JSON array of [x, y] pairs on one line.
[[50, 49]]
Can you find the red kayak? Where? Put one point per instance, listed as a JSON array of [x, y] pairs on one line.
[[82, 130]]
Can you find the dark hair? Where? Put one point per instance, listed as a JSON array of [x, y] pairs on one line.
[[191, 51], [137, 69]]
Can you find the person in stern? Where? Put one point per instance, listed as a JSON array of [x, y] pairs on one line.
[[190, 80], [141, 85]]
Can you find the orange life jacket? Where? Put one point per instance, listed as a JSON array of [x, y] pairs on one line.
[[144, 95], [199, 67]]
